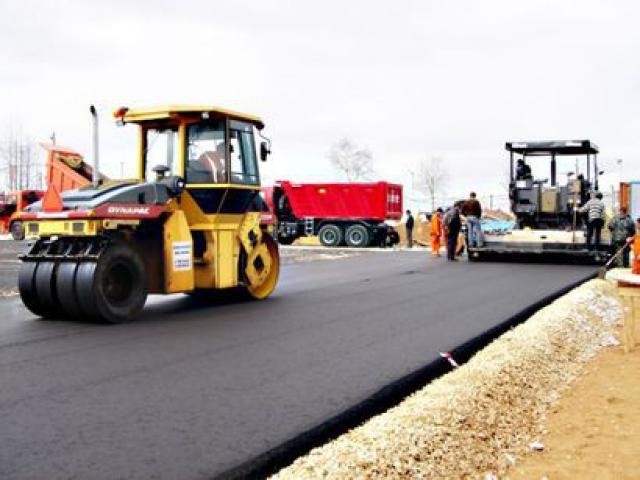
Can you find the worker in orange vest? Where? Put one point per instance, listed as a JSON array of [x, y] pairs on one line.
[[435, 230], [635, 269]]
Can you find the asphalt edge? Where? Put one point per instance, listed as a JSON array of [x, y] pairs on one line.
[[279, 457]]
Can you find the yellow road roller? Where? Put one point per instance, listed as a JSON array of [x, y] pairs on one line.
[[192, 221]]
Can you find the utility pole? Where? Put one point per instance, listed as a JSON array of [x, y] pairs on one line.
[[613, 198]]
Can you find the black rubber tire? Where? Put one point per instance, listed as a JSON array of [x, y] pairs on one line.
[[474, 257], [66, 290], [27, 288], [45, 288], [83, 286], [357, 236], [286, 240], [330, 235], [392, 238], [113, 289], [17, 230]]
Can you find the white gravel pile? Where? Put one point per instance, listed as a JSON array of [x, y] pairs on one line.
[[478, 419]]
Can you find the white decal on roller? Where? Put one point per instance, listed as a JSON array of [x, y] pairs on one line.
[[181, 256]]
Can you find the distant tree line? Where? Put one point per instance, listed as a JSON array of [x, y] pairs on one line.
[[21, 167]]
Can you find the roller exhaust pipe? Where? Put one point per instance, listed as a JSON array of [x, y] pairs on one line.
[[95, 157]]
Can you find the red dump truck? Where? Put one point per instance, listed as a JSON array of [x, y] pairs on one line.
[[352, 214]]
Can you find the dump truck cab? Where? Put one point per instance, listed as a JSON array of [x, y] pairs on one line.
[[189, 222]]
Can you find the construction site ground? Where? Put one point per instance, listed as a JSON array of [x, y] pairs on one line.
[[512, 411], [594, 430], [191, 390]]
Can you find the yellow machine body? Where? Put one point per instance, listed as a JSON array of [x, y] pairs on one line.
[[205, 235], [226, 236]]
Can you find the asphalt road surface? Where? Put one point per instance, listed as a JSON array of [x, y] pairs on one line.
[[189, 391]]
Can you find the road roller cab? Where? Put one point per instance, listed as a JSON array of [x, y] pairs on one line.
[[189, 222]]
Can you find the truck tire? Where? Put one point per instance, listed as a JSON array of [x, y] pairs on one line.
[[392, 238], [17, 230], [113, 289], [286, 240], [330, 235], [357, 236]]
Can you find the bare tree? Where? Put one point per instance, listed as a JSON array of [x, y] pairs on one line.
[[355, 163], [431, 178], [19, 167]]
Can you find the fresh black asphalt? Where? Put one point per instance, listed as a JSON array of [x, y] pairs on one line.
[[191, 390]]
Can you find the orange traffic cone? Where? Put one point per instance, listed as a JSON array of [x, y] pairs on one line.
[[52, 201]]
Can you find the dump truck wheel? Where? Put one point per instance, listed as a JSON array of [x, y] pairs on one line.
[[113, 289], [330, 235], [474, 256], [357, 236], [27, 288], [66, 290], [286, 240], [392, 238], [17, 231], [45, 289], [269, 284]]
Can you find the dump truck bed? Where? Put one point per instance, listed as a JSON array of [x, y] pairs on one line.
[[376, 201]]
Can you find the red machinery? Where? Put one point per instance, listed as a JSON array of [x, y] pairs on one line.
[[66, 170], [338, 213], [12, 203]]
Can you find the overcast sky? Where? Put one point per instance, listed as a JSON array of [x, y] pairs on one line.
[[407, 79]]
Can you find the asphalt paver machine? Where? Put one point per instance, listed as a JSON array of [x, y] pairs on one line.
[[190, 222], [549, 225]]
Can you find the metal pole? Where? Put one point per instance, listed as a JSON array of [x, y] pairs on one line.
[[94, 144]]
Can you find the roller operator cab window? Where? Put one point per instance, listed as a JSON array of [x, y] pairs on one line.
[[206, 156], [162, 149], [244, 167]]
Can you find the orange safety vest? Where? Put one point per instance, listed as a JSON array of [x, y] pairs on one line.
[[436, 225], [636, 255]]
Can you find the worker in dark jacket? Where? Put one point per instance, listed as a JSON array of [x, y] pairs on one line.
[[622, 227], [523, 171], [452, 224], [472, 210], [409, 227]]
